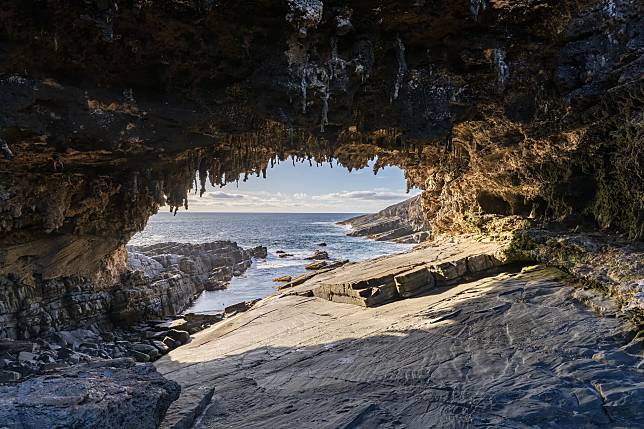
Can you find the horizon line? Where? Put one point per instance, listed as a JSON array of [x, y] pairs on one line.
[[211, 212]]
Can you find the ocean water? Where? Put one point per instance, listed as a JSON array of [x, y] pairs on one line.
[[296, 233]]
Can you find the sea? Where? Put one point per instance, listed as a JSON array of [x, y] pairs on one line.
[[295, 233]]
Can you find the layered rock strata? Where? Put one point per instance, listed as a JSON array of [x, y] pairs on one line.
[[403, 222], [178, 272], [389, 278], [151, 289]]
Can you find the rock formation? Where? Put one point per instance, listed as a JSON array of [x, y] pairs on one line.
[[518, 349], [501, 112], [113, 393], [403, 222], [386, 279], [506, 114], [162, 280]]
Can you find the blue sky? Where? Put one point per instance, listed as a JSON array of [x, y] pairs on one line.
[[305, 189]]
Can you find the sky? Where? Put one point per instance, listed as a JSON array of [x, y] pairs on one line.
[[305, 189]]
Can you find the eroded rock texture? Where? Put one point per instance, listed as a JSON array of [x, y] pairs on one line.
[[161, 280], [101, 394], [502, 112], [403, 222], [515, 350]]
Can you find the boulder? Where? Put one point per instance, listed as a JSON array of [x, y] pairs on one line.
[[104, 394], [319, 255], [181, 337], [180, 324], [414, 282], [171, 343], [240, 307], [199, 322], [449, 271], [147, 349], [259, 252], [479, 263], [7, 376], [160, 346], [140, 356]]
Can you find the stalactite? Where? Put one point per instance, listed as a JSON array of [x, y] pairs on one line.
[[135, 186], [476, 7], [501, 67], [203, 176], [304, 87], [402, 67], [325, 110]]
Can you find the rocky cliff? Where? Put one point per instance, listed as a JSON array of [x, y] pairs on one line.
[[403, 222], [503, 113], [160, 280]]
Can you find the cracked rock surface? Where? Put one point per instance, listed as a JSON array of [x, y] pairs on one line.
[[511, 350]]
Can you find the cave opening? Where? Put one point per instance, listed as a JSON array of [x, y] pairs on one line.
[[308, 216]]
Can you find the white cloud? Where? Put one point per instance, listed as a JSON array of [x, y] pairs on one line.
[[363, 195], [218, 195], [262, 201]]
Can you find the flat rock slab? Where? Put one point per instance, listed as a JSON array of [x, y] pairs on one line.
[[379, 281], [513, 350]]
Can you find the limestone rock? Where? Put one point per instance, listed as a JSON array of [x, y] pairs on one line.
[[403, 222], [462, 349], [449, 271], [180, 337], [480, 263], [413, 282], [382, 280], [163, 280]]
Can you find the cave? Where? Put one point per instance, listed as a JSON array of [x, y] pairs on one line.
[[493, 204], [520, 122]]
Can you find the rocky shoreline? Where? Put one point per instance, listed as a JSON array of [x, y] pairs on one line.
[[522, 123], [401, 223], [73, 362], [162, 280], [440, 325]]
